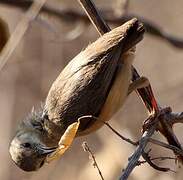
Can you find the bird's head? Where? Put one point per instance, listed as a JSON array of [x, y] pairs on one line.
[[30, 146], [28, 152]]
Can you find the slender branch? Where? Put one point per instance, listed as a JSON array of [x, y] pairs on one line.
[[118, 134], [151, 140], [168, 132], [20, 30], [133, 160], [175, 118], [161, 158], [92, 157], [95, 17], [151, 28], [165, 145], [147, 157]]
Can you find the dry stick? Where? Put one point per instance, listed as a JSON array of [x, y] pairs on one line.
[[91, 155], [167, 132], [118, 134], [165, 145], [20, 30], [175, 118], [161, 158], [70, 15], [133, 160], [151, 28], [145, 155], [154, 141]]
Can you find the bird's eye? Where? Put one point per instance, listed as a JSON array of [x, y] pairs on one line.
[[26, 145]]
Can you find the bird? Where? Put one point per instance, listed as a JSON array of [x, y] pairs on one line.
[[91, 88]]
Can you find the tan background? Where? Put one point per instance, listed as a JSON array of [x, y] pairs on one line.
[[41, 55]]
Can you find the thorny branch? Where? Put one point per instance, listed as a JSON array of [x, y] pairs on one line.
[[71, 15], [145, 155], [159, 117], [137, 153], [92, 157]]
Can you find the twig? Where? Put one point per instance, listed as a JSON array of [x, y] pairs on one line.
[[175, 118], [145, 155], [161, 158], [20, 30], [133, 160], [92, 157], [168, 132], [158, 158], [118, 134], [165, 145], [149, 161], [71, 15], [151, 28], [94, 16]]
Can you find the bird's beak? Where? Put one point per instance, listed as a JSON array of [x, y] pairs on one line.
[[47, 150]]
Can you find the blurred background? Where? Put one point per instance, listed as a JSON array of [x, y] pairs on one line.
[[48, 45]]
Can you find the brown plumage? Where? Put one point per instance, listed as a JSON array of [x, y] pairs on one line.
[[82, 88]]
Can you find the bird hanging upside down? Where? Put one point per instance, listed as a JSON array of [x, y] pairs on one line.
[[90, 90]]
